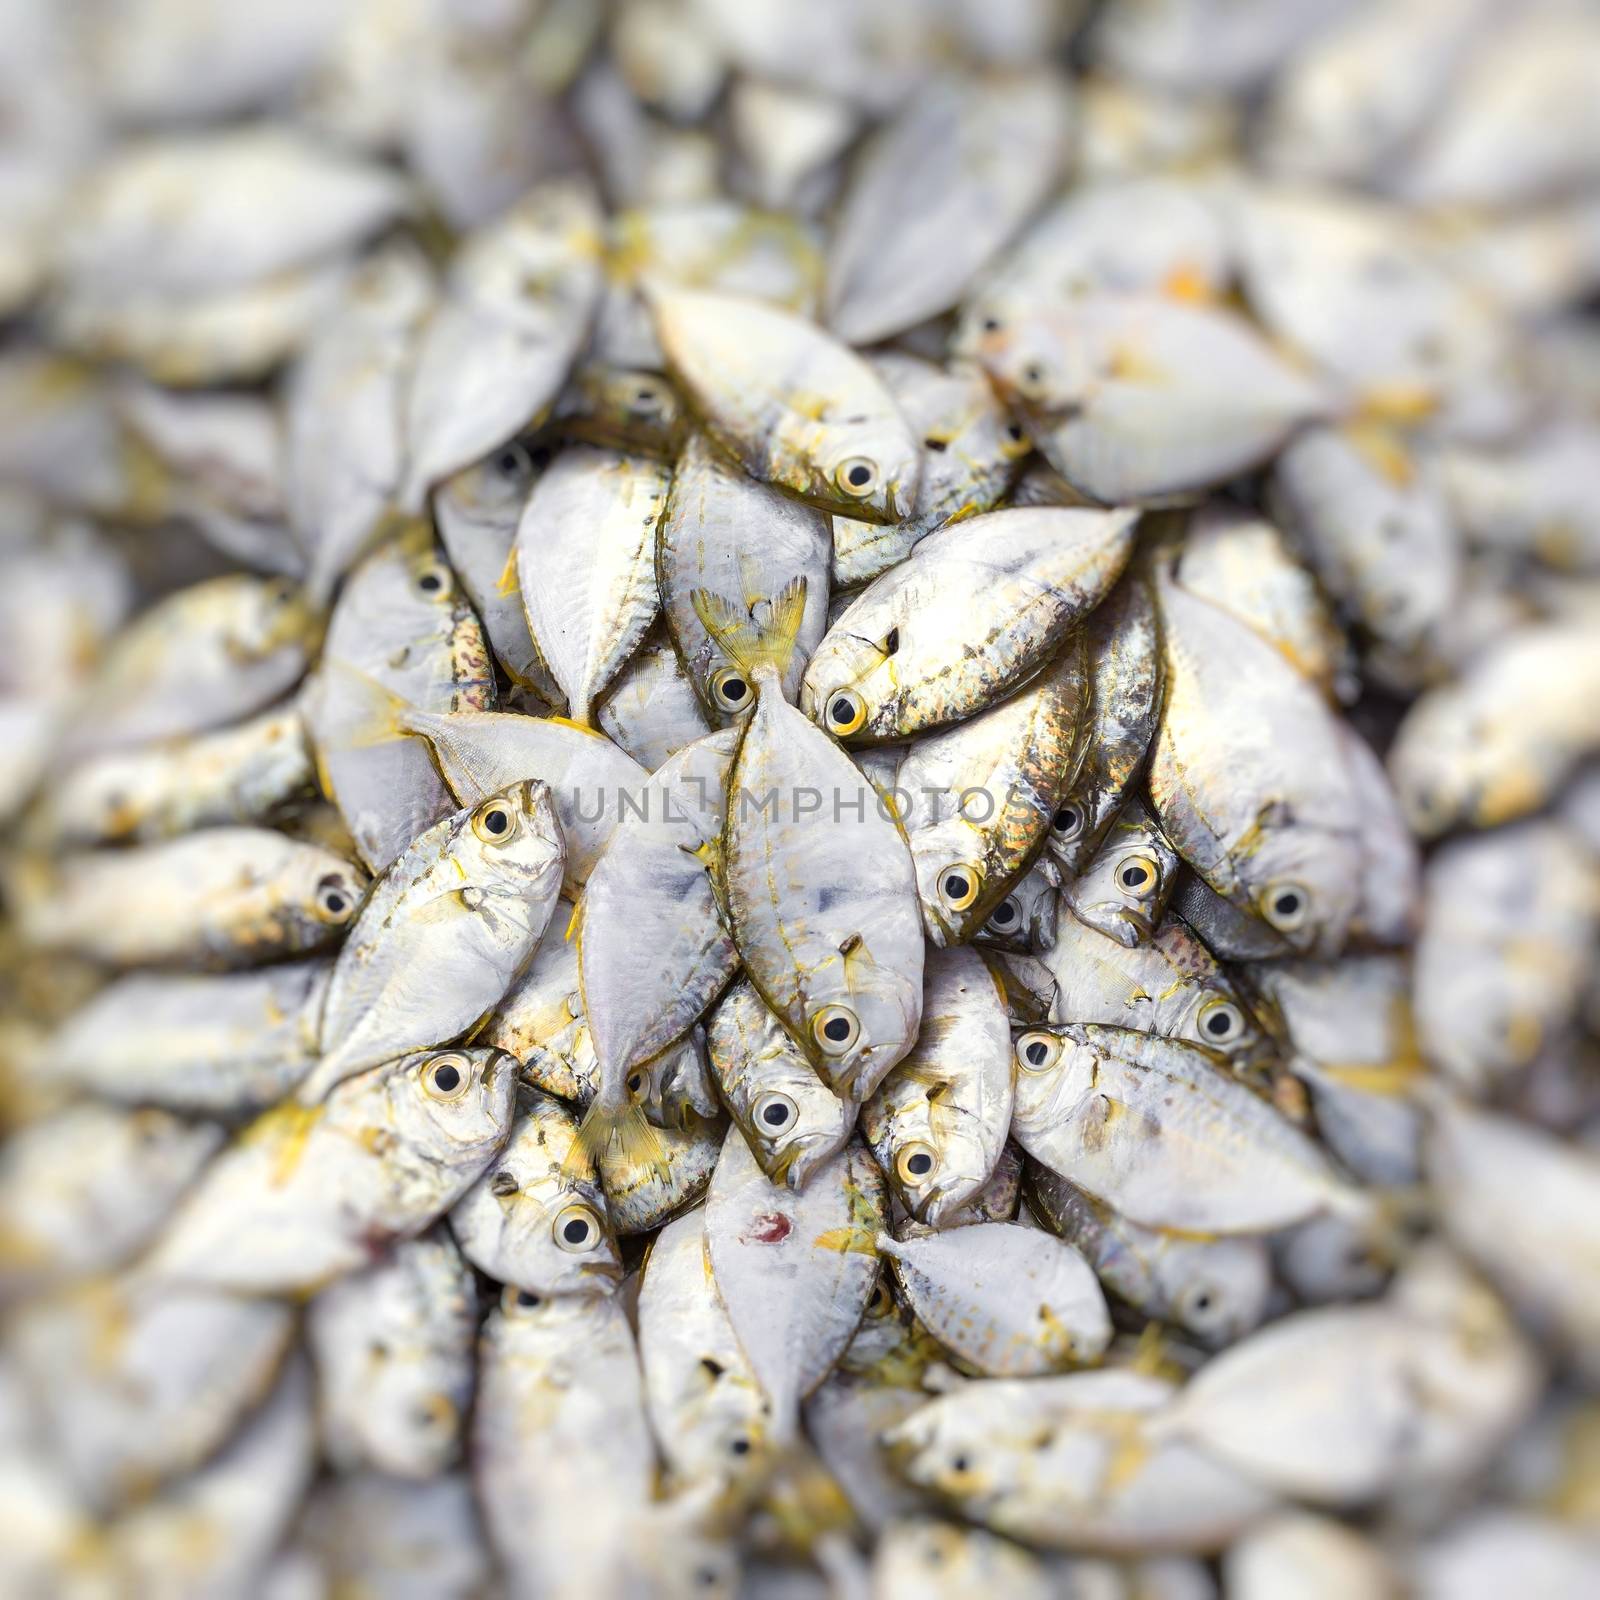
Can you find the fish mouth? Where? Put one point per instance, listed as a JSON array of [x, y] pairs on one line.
[[608, 1271], [801, 1159]]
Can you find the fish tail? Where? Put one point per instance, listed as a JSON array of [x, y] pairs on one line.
[[614, 1134], [759, 636], [369, 713]]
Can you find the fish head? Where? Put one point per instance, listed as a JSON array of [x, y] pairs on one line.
[[955, 890], [320, 894], [796, 1124], [861, 1018], [416, 1409], [453, 1107], [1445, 772], [513, 836], [676, 1084], [1217, 1290], [949, 1447], [1037, 363], [1054, 1073], [1305, 883], [871, 465], [274, 613], [491, 493], [850, 688]]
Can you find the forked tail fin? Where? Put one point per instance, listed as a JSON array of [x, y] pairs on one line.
[[610, 1136], [760, 636]]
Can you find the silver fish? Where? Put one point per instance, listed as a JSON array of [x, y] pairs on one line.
[[307, 1193], [469, 900], [1026, 919], [651, 709], [393, 1349], [1124, 889]]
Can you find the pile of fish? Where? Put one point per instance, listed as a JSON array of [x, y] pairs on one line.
[[801, 798]]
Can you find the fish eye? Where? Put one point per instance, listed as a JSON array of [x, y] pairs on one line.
[[776, 1113], [513, 1300], [494, 822], [740, 1446], [434, 579], [1287, 906], [846, 711], [334, 901], [730, 688], [1067, 823], [891, 641], [513, 461], [1014, 442], [1139, 875], [991, 324], [1006, 914], [635, 1083], [881, 1302], [836, 1029], [647, 398], [959, 885], [916, 1163], [1221, 1022], [856, 476], [446, 1077], [577, 1229], [1038, 1051]]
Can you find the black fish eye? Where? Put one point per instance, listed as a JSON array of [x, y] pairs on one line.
[[860, 476], [836, 1028], [446, 1079], [527, 1298], [991, 324], [1134, 876], [775, 1115], [1006, 914], [740, 1446], [842, 711], [496, 822], [919, 1164], [955, 886], [575, 1231], [430, 582], [1037, 1054], [1065, 820], [1287, 903]]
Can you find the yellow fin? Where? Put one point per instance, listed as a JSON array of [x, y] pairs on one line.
[[366, 713], [624, 1135], [755, 642]]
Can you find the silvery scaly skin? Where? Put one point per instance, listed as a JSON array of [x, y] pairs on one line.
[[249, 895], [651, 709], [708, 1411], [1125, 688], [138, 1385], [469, 900], [1013, 1301], [222, 1045], [559, 1381], [1287, 843], [307, 1193], [393, 1350], [976, 799], [1134, 399], [516, 309], [1124, 889], [645, 1184], [745, 541], [973, 612], [63, 1217], [791, 404], [652, 949], [481, 752], [1215, 1289], [970, 448], [979, 155], [792, 1121], [585, 556], [536, 1219], [477, 511], [344, 441], [403, 636], [1135, 1118], [1074, 1463], [622, 407], [938, 1122], [795, 1271], [922, 1558]]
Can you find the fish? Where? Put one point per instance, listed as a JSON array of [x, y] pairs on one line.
[[1126, 689], [250, 773], [1497, 743], [834, 948], [787, 139], [559, 1380], [1010, 1300], [970, 450], [480, 753], [1287, 844], [222, 1045], [392, 1347], [706, 1407], [964, 163], [976, 799], [621, 408], [894, 664], [517, 305], [646, 1185], [1075, 1462], [1124, 889], [925, 1555], [791, 1120], [536, 1218], [585, 564], [743, 541], [1026, 919], [477, 511], [402, 637], [795, 1271], [200, 658], [137, 1386], [469, 899], [305, 1195], [1138, 398], [1215, 1289], [651, 710], [793, 406], [938, 1122], [249, 895], [1100, 1104], [344, 419]]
